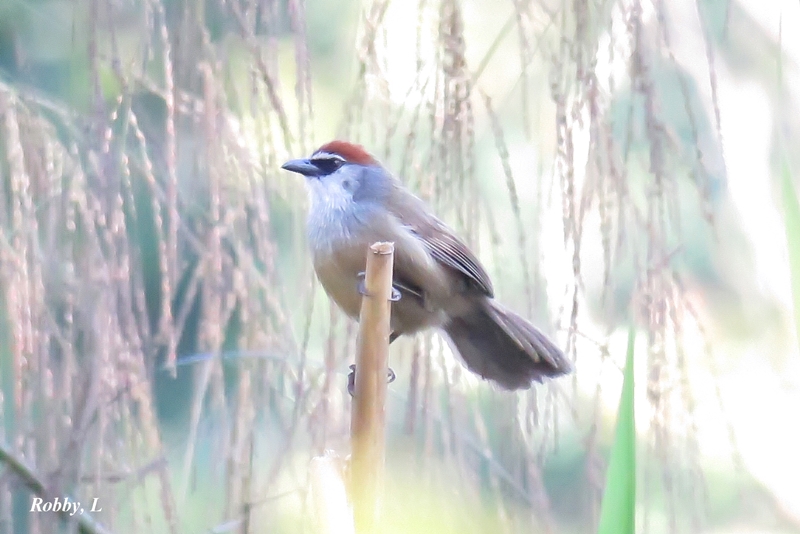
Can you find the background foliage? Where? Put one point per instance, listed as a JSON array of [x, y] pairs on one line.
[[163, 345]]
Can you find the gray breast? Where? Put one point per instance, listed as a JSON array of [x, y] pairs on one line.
[[329, 226]]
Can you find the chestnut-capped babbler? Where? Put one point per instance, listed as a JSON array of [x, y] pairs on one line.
[[354, 202]]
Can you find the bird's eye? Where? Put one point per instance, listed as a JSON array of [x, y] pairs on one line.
[[327, 165]]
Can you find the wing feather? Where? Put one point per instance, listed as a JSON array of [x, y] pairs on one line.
[[449, 250], [442, 243]]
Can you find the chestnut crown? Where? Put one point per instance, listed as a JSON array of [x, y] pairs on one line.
[[328, 158]]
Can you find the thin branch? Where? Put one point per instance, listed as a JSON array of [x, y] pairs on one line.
[[86, 524]]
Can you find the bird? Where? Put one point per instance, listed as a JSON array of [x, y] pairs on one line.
[[354, 201]]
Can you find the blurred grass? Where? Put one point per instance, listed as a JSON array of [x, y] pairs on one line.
[[618, 512], [481, 460], [791, 218]]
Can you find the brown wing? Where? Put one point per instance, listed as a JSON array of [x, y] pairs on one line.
[[437, 237], [450, 251]]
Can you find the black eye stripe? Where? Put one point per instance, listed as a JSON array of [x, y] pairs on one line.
[[327, 164]]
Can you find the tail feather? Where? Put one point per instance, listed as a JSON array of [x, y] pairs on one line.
[[502, 346]]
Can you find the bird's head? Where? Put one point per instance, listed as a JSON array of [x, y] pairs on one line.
[[339, 172]]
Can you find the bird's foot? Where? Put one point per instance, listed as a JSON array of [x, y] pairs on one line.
[[351, 379], [362, 288]]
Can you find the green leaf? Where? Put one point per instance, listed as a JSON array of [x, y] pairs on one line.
[[791, 218], [618, 513]]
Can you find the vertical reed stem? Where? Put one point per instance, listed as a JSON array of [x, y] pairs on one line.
[[367, 425]]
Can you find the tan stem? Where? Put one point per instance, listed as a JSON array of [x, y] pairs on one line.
[[368, 422]]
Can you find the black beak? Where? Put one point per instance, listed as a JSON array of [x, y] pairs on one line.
[[301, 166]]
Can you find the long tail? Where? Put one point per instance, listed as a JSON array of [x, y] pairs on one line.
[[502, 346]]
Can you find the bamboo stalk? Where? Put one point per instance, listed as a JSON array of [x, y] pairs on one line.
[[368, 421]]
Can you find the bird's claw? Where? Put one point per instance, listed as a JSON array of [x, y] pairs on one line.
[[351, 379], [362, 288]]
